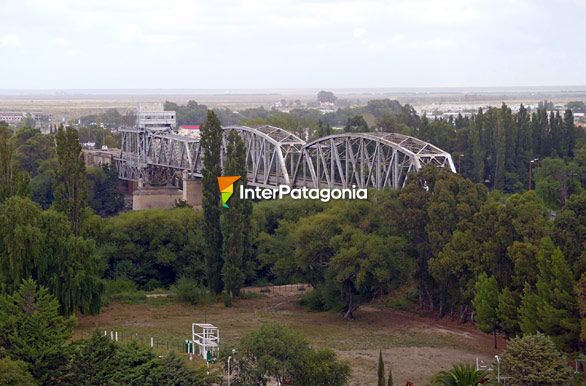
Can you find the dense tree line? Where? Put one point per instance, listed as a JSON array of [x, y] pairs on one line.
[[36, 348]]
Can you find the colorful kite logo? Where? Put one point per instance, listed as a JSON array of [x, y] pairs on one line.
[[226, 184]]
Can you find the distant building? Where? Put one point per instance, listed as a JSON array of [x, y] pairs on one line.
[[11, 118], [192, 131], [42, 121], [153, 117]]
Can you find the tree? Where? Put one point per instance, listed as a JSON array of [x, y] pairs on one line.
[[41, 244], [381, 369], [554, 181], [485, 303], [104, 196], [94, 361], [211, 142], [12, 180], [356, 124], [581, 294], [323, 129], [551, 308], [71, 189], [507, 313], [236, 221], [276, 352], [326, 96], [33, 331], [460, 375], [534, 360], [15, 373], [390, 378], [367, 264]]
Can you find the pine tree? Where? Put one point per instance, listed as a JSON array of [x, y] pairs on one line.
[[71, 189], [507, 312], [558, 310], [390, 378], [485, 304], [211, 142], [33, 331], [381, 369], [528, 313], [236, 220]]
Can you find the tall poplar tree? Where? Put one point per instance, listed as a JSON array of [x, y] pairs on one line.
[[211, 142], [236, 220], [71, 189]]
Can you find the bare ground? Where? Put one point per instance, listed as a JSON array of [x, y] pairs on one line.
[[414, 346]]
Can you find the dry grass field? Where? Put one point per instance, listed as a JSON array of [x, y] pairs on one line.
[[415, 346]]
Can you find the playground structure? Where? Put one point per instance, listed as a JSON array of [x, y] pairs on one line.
[[207, 337]]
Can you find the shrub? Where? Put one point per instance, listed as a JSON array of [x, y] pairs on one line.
[[533, 359], [190, 290]]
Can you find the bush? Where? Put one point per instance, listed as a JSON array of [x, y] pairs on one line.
[[189, 290], [533, 359], [15, 373], [123, 290], [401, 304], [324, 297]]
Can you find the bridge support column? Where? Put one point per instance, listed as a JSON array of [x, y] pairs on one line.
[[192, 190]]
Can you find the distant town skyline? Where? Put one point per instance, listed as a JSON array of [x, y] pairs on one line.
[[278, 44]]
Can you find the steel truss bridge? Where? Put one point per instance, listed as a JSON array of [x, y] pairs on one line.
[[275, 156]]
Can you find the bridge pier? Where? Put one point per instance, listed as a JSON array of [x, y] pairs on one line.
[[192, 190]]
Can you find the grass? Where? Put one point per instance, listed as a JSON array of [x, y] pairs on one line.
[[406, 337]]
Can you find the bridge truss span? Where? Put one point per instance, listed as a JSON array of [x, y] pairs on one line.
[[272, 154], [366, 160]]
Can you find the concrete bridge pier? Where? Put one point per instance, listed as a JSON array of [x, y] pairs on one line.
[[192, 190]]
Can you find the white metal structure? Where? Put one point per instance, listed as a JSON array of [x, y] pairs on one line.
[[207, 337]]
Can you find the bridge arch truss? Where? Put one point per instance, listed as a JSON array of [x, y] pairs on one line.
[[366, 160]]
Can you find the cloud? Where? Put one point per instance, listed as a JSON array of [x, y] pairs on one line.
[[9, 41], [289, 43]]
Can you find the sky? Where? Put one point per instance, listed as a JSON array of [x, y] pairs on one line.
[[253, 44]]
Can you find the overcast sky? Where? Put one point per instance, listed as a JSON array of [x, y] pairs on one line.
[[62, 44]]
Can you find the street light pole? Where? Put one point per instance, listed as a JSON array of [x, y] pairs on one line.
[[498, 369], [531, 170], [229, 358]]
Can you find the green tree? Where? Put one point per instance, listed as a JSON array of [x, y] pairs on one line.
[[236, 221], [507, 312], [15, 373], [276, 352], [103, 194], [41, 244], [211, 142], [555, 312], [569, 231], [94, 361], [534, 360], [33, 331], [555, 182], [485, 303], [71, 189], [581, 294], [356, 124], [367, 264], [460, 375], [381, 369], [390, 378]]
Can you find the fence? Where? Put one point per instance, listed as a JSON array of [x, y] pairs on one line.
[[154, 342]]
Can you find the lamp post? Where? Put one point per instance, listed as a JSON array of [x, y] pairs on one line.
[[460, 163], [498, 369], [535, 160], [229, 358]]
